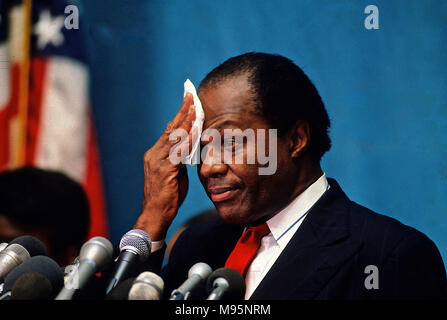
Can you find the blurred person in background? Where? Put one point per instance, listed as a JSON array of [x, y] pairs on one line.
[[208, 215], [47, 205]]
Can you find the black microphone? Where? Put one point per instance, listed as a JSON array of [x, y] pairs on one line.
[[43, 265], [135, 248], [32, 286], [226, 283], [196, 275], [34, 246], [121, 291], [95, 254]]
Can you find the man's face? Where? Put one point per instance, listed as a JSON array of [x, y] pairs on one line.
[[241, 195]]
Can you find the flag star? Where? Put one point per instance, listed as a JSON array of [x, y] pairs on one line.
[[48, 30]]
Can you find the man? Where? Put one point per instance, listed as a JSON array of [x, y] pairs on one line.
[[293, 234], [47, 205]]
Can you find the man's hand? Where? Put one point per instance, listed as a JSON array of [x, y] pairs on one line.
[[165, 183]]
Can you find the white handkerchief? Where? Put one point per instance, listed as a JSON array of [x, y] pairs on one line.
[[194, 156]]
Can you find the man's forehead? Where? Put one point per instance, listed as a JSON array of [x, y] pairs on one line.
[[229, 103], [230, 116]]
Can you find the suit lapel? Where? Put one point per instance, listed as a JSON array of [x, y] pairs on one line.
[[318, 249]]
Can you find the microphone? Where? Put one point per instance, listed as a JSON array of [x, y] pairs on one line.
[[121, 291], [147, 286], [32, 286], [94, 255], [19, 250], [34, 246], [226, 283], [197, 274], [70, 269], [3, 245], [10, 258], [42, 265], [135, 247]]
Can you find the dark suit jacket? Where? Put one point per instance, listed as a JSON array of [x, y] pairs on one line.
[[326, 258]]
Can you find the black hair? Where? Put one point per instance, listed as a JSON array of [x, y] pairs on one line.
[[283, 93], [50, 200]]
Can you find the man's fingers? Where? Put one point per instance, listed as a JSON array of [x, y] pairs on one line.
[[178, 136], [190, 117], [193, 135], [186, 145], [180, 150], [181, 120], [180, 117]]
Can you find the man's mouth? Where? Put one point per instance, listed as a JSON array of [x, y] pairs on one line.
[[219, 194]]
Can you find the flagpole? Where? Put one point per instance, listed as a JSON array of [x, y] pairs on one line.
[[24, 85]]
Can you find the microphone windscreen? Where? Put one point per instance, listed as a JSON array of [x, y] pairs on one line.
[[40, 264], [32, 286], [236, 290], [147, 286], [138, 241], [201, 269], [34, 246], [121, 291]]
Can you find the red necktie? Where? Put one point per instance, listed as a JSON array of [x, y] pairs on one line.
[[246, 248]]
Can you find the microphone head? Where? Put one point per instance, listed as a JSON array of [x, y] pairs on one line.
[[236, 290], [11, 257], [137, 241], [39, 264], [34, 246], [3, 245], [200, 269], [147, 286], [97, 249], [121, 291], [32, 286], [17, 251]]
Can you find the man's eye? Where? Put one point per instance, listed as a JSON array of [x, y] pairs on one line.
[[228, 142]]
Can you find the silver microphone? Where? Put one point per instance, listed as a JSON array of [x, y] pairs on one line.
[[147, 286], [3, 245], [197, 273], [11, 257], [95, 254], [226, 283]]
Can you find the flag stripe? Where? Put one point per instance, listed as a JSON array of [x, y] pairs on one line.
[[21, 120], [64, 122], [37, 88], [7, 116], [93, 187], [5, 76]]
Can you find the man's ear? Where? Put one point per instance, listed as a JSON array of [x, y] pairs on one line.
[[299, 138]]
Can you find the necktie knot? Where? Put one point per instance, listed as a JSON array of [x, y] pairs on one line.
[[262, 229], [246, 248]]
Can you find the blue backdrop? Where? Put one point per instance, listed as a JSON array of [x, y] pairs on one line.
[[385, 91]]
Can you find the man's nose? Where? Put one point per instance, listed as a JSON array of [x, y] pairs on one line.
[[212, 166]]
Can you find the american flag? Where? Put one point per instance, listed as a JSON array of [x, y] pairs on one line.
[[45, 116]]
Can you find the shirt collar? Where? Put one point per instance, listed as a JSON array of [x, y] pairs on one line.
[[280, 223]]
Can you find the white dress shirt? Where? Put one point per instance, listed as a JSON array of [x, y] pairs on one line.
[[282, 228]]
